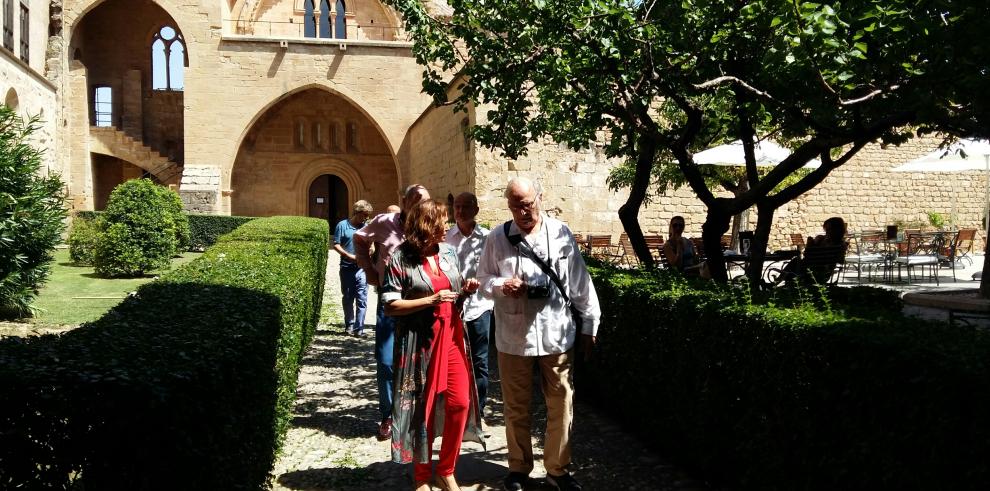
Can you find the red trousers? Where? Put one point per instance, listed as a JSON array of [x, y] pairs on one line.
[[457, 403]]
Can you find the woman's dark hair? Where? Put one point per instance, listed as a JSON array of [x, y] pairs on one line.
[[835, 230], [424, 222]]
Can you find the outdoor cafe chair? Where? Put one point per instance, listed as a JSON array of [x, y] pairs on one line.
[[820, 265], [964, 244], [947, 254], [655, 243], [868, 252], [921, 250], [628, 254], [601, 247]]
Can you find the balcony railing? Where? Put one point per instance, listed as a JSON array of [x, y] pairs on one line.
[[360, 32]]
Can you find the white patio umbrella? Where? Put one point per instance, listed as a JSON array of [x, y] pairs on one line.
[[768, 154], [966, 154]]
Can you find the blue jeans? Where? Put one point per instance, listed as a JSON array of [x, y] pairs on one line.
[[477, 332], [384, 344], [354, 288]]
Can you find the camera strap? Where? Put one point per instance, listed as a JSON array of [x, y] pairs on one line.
[[525, 250]]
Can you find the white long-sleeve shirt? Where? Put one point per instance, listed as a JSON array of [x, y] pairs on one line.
[[538, 326], [468, 250]]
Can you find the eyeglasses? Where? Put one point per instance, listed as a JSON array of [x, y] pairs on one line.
[[524, 206]]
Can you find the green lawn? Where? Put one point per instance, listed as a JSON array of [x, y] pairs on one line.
[[74, 294]]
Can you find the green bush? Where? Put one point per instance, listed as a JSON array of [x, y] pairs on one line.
[[32, 216], [141, 234], [179, 217], [206, 229], [794, 390], [82, 240], [187, 385]]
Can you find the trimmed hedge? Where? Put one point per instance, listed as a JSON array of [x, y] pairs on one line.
[[204, 230], [793, 392], [187, 385]]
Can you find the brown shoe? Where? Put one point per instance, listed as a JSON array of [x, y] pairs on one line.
[[385, 430], [446, 483]]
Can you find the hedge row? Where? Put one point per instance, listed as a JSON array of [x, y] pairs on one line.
[[187, 385], [832, 392], [204, 230]]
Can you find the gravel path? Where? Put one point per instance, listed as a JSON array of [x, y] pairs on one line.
[[331, 444]]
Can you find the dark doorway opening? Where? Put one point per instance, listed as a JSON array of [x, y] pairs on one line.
[[328, 199]]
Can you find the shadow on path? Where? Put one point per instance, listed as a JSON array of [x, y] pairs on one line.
[[331, 446]]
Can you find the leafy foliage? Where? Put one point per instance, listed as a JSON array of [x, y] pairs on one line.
[[666, 79], [206, 229], [792, 391], [188, 384], [83, 238], [32, 215], [142, 233]]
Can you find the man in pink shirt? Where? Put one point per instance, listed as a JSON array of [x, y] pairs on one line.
[[386, 232]]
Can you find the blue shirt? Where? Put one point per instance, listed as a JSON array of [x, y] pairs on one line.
[[343, 234]]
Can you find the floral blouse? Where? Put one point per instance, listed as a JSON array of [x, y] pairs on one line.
[[406, 279]]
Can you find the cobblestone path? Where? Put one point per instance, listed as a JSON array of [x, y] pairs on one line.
[[331, 444]]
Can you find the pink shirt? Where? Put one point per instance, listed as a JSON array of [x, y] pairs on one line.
[[386, 232]]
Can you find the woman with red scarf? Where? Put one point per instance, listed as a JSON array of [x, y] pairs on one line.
[[434, 386]]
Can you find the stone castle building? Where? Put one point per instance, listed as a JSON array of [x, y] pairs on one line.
[[300, 107]]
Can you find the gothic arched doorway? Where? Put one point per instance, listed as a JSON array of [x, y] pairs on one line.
[[328, 199]]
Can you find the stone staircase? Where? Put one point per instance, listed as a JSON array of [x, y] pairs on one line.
[[116, 143]]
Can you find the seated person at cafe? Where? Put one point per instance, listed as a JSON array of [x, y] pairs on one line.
[[820, 254], [678, 250]]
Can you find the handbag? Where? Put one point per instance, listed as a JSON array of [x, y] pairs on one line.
[[527, 251]]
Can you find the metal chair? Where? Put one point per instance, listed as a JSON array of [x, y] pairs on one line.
[[964, 244], [921, 250], [868, 253]]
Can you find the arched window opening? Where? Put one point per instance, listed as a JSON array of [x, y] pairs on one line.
[[168, 58], [103, 106], [11, 100], [309, 19], [340, 22], [352, 137], [325, 31], [334, 137], [317, 136], [300, 134]]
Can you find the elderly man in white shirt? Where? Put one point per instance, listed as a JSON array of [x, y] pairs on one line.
[[536, 327], [468, 238]]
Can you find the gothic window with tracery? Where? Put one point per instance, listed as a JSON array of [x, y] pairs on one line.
[[168, 59]]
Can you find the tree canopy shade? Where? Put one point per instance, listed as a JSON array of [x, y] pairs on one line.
[[662, 80]]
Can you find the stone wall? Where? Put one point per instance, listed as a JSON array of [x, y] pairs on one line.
[[163, 123], [32, 95], [437, 153]]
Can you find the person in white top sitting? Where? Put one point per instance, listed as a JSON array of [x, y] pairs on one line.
[[537, 326]]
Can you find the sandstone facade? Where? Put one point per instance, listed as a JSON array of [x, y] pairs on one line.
[[269, 121]]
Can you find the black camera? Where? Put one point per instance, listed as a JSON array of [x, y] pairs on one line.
[[538, 289]]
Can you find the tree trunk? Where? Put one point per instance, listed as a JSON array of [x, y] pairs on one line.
[[758, 247], [629, 211], [716, 224]]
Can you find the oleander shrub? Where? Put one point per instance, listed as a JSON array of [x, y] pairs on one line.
[[183, 238], [792, 390], [187, 385], [32, 216], [141, 233], [206, 229], [83, 238]]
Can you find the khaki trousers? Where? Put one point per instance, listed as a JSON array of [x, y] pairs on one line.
[[516, 373]]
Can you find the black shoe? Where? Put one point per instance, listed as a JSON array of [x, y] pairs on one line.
[[564, 483], [515, 481]]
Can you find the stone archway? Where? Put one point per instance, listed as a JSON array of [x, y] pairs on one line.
[[300, 138]]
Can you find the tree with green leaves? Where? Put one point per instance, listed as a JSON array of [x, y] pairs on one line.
[[32, 216], [664, 80]]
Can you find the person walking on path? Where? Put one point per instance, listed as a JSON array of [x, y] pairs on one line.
[[468, 238], [434, 387], [353, 283], [533, 269], [386, 233]]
